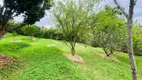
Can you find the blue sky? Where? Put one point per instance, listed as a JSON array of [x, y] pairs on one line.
[[47, 21]]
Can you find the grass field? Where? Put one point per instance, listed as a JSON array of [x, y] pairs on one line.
[[42, 59]]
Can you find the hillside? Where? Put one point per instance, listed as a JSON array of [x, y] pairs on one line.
[[43, 59]]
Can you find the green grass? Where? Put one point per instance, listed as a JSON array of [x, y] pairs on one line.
[[40, 61], [46, 63]]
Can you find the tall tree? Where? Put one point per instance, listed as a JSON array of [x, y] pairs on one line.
[[32, 11], [72, 17], [129, 17]]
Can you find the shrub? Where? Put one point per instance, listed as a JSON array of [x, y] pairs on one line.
[[137, 41], [30, 30], [40, 32], [53, 34], [137, 38]]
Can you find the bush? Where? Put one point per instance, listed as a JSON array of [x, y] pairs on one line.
[[137, 38], [40, 32], [53, 34], [137, 41], [30, 30]]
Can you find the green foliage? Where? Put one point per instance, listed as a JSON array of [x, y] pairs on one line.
[[32, 10], [109, 30], [36, 31], [53, 33], [73, 18], [39, 62], [42, 62], [56, 34], [14, 33], [30, 30], [50, 64], [137, 40], [40, 32], [12, 24]]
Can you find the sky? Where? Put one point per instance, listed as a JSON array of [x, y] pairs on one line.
[[125, 4], [48, 20]]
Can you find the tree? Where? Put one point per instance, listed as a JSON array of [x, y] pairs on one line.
[[129, 17], [30, 30], [12, 24], [32, 11], [107, 33], [72, 17]]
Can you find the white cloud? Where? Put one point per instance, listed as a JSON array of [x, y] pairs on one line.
[[138, 19], [46, 21], [49, 26], [19, 18], [125, 4], [1, 2]]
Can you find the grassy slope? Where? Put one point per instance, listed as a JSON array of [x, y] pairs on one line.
[[47, 62]]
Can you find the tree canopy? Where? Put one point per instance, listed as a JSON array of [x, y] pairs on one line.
[[32, 11], [109, 30], [73, 18]]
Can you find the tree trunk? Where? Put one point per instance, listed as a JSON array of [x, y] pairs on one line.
[[106, 52], [31, 37], [2, 33], [129, 36], [131, 51], [72, 50], [111, 51], [130, 41]]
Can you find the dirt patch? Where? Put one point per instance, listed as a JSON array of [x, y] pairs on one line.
[[4, 59], [75, 58], [33, 39], [109, 57], [50, 44], [9, 65], [15, 41]]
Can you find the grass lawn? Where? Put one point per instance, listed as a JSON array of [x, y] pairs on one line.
[[42, 59]]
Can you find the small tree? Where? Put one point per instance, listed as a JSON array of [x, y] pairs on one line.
[[73, 18], [108, 31], [30, 30]]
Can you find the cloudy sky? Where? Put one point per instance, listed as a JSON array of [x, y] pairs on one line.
[[48, 22]]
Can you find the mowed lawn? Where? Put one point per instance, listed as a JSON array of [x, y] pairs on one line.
[[43, 59]]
